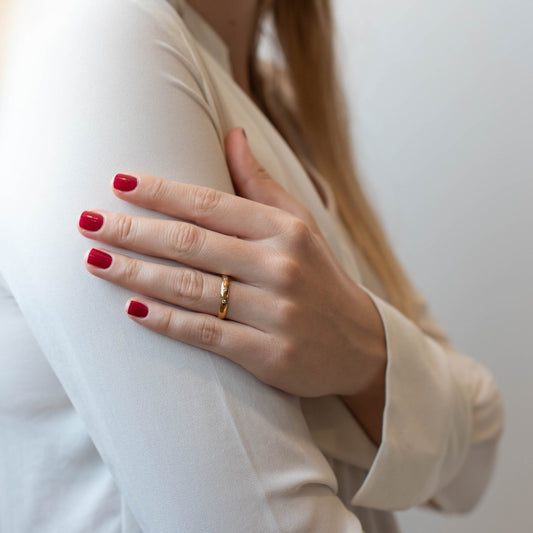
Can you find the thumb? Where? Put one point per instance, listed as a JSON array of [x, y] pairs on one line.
[[252, 181], [244, 168]]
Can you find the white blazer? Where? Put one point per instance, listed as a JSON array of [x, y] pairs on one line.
[[106, 426]]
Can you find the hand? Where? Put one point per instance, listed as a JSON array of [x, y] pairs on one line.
[[295, 319]]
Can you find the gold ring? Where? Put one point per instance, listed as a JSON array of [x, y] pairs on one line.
[[224, 297]]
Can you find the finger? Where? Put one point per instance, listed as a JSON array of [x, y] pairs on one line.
[[252, 181], [246, 346], [180, 241], [220, 211], [188, 288]]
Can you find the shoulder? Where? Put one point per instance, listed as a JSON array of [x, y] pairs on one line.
[[92, 36], [122, 16], [95, 59]]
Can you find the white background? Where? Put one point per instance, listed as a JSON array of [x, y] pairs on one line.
[[441, 102]]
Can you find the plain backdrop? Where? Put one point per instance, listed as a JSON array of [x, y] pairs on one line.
[[441, 107]]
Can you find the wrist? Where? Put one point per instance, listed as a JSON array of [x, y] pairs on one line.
[[369, 346], [366, 400]]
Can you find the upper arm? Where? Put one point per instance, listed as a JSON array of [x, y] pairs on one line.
[[191, 438]]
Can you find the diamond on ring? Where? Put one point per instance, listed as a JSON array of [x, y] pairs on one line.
[[224, 297]]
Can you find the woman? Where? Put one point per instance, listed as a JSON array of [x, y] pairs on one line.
[[318, 395]]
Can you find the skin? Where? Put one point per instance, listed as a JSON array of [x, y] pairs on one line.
[[295, 320]]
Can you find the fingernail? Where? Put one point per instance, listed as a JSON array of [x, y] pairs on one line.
[[125, 183], [244, 133], [91, 221], [99, 259], [137, 309]]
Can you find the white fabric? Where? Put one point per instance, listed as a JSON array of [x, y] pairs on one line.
[[106, 426]]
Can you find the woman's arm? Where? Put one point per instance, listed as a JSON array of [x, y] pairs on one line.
[[194, 442], [466, 488], [442, 421]]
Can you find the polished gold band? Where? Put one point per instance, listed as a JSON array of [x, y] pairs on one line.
[[224, 297]]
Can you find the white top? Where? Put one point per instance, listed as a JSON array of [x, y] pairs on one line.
[[106, 426]]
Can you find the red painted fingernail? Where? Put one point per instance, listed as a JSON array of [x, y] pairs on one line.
[[125, 183], [137, 309], [91, 221], [99, 259]]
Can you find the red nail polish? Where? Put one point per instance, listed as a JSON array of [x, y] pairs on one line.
[[137, 309], [91, 221], [125, 183], [99, 259]]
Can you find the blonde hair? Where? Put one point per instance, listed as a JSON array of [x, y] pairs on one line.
[[305, 34]]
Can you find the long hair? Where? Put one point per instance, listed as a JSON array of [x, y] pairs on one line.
[[317, 112]]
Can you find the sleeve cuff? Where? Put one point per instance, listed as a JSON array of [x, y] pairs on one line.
[[427, 421]]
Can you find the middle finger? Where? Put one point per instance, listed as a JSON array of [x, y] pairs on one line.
[[180, 241]]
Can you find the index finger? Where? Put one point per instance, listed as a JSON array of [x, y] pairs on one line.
[[211, 208]]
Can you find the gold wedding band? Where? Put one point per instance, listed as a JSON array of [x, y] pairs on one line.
[[224, 297]]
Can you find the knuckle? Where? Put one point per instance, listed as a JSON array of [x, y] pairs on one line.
[[299, 232], [189, 285], [132, 270], [287, 312], [282, 357], [209, 332], [158, 191], [287, 273], [186, 238], [205, 200], [288, 350], [166, 322], [125, 228]]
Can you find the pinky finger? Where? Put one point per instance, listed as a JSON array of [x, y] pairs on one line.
[[243, 344]]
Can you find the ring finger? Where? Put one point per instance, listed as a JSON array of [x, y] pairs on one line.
[[185, 287]]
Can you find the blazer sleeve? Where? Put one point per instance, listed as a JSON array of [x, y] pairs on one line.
[[442, 423], [193, 441]]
